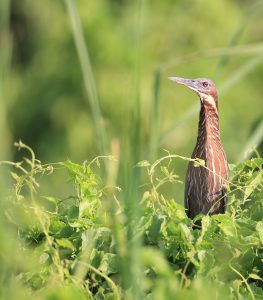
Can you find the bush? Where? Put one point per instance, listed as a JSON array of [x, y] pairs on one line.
[[87, 245]]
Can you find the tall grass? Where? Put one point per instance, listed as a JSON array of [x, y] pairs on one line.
[[250, 16], [5, 54], [154, 120], [130, 264], [88, 77], [252, 143]]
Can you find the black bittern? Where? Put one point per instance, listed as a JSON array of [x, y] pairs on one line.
[[205, 186]]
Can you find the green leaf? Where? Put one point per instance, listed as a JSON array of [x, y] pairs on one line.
[[143, 164], [253, 183], [187, 233], [109, 264], [65, 243], [209, 227], [154, 229], [255, 276], [73, 213], [228, 227], [66, 232], [56, 226], [53, 200], [207, 261], [254, 163], [96, 257]]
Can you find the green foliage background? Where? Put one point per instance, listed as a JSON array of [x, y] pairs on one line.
[[127, 42], [81, 79]]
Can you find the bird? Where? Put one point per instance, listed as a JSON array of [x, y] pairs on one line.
[[206, 185]]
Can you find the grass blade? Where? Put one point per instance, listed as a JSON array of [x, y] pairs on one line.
[[154, 123], [255, 139], [131, 264], [250, 15], [240, 73], [249, 49], [5, 55], [88, 77]]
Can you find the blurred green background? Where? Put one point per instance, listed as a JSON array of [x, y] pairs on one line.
[[43, 97]]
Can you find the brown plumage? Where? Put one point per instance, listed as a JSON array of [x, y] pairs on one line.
[[205, 187]]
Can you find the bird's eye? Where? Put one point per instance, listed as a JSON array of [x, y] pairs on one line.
[[205, 84]]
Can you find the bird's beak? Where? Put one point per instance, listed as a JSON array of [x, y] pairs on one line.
[[190, 83]]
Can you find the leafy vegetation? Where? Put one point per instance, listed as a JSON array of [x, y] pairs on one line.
[[78, 246]]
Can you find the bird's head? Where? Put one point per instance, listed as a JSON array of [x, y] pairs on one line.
[[204, 87]]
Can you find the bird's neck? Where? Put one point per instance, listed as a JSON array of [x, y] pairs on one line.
[[208, 129]]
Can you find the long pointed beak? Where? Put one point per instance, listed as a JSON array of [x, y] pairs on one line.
[[190, 83]]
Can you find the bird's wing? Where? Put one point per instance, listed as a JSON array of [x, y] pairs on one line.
[[190, 197]]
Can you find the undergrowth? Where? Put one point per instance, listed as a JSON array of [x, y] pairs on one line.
[[77, 247]]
